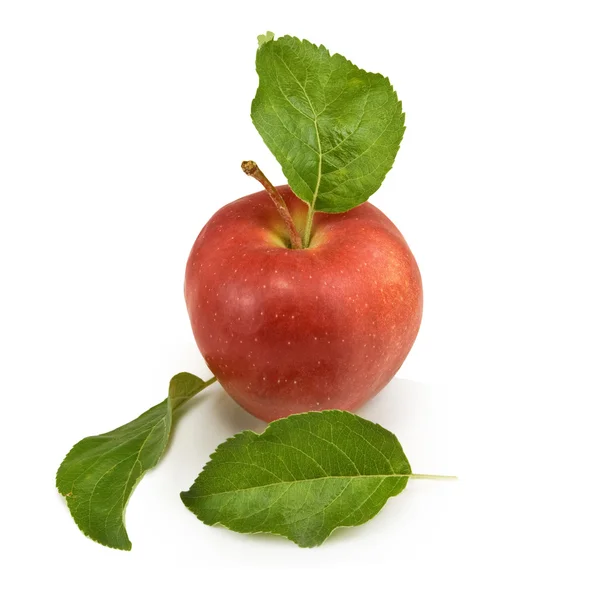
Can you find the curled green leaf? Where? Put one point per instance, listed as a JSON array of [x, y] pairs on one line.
[[302, 478], [98, 475]]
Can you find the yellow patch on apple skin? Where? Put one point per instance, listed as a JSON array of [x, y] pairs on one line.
[[318, 237], [277, 234], [299, 217], [276, 238]]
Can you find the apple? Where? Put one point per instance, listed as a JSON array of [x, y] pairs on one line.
[[292, 330]]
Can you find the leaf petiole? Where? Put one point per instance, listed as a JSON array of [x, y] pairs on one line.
[[433, 477], [309, 222], [177, 401]]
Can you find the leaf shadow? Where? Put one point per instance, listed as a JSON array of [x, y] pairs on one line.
[[395, 403], [395, 407], [232, 416], [217, 418]]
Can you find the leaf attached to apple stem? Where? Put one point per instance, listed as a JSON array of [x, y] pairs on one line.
[[334, 128]]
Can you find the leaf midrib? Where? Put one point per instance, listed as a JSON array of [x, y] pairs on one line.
[[314, 120], [137, 459], [290, 483]]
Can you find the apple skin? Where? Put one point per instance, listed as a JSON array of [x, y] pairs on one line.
[[288, 331]]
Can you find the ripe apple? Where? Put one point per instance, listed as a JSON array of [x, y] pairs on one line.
[[288, 331]]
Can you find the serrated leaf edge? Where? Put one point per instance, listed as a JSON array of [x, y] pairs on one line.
[[312, 203], [168, 413], [183, 496]]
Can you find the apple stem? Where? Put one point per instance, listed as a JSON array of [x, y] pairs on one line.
[[251, 168]]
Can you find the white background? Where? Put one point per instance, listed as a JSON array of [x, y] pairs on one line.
[[122, 127]]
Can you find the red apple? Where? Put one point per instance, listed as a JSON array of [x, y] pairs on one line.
[[288, 331]]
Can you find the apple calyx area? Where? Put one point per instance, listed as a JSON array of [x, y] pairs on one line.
[[251, 168]]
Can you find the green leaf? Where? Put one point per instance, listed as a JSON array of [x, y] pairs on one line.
[[302, 478], [99, 473], [334, 128]]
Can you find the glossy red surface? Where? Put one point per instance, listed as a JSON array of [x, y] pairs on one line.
[[287, 331]]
